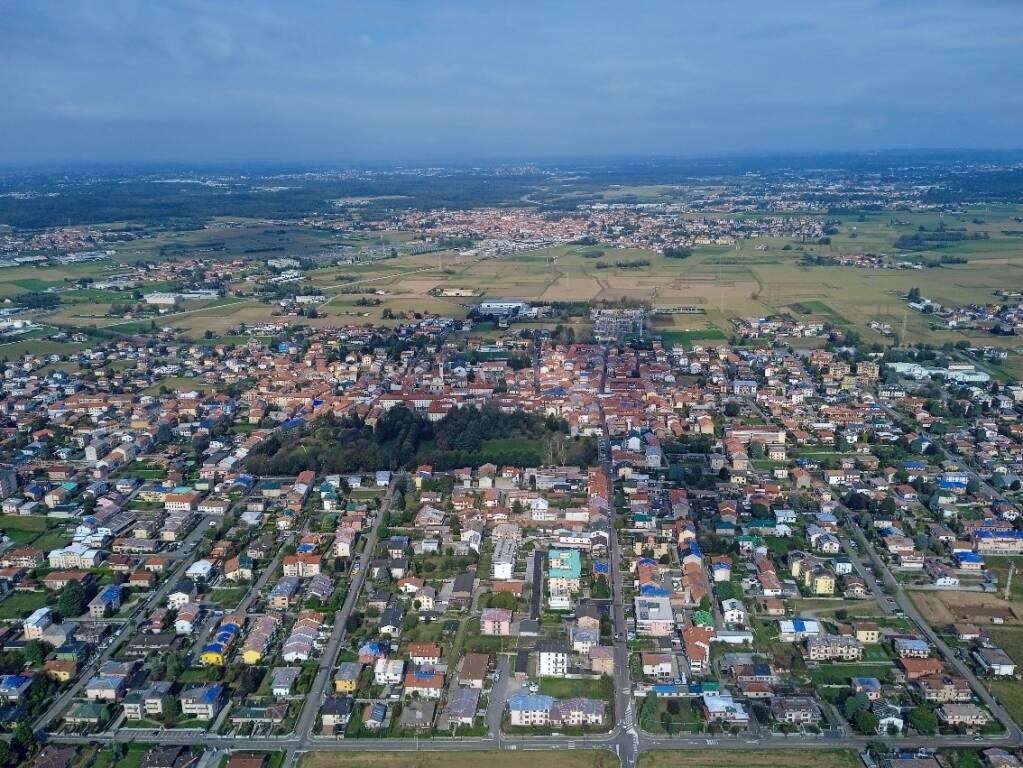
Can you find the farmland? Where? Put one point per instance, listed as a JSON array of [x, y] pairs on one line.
[[532, 759]]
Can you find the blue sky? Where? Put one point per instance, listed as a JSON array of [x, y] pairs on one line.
[[408, 81]]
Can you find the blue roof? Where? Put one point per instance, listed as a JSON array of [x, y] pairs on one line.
[[530, 701], [212, 694], [1013, 534], [601, 566], [649, 590]]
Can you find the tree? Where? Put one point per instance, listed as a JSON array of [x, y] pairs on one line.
[[72, 600], [866, 721], [923, 720], [731, 409], [34, 652], [853, 705]]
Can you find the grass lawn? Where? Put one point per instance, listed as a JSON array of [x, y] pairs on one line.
[[654, 716], [17, 605], [1010, 694], [839, 674], [684, 338], [765, 758], [32, 523], [504, 759], [105, 758], [227, 597], [563, 688], [52, 540]]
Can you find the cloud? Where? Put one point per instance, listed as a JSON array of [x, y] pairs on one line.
[[193, 81]]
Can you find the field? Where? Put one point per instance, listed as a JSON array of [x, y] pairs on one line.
[[503, 759], [763, 758], [755, 278], [19, 604], [944, 608]]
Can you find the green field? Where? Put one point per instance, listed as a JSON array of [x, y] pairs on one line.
[[17, 605], [466, 759], [813, 757], [754, 278]]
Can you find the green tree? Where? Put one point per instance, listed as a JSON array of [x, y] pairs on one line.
[[35, 652], [72, 600], [866, 721], [923, 720]]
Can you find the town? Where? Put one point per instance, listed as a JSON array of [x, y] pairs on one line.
[[417, 534]]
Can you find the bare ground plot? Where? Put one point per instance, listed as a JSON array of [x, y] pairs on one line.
[[531, 759], [572, 289], [813, 757], [944, 608]]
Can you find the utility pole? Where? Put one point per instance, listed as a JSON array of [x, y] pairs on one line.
[[1008, 579]]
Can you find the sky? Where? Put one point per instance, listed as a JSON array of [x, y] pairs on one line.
[[84, 82]]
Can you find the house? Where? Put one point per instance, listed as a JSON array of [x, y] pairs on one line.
[[733, 611], [106, 603], [374, 716], [722, 708], [944, 688], [564, 570], [867, 632], [87, 713], [831, 647], [147, 702], [187, 618], [473, 671], [424, 654], [37, 622], [426, 683], [994, 661], [552, 658], [13, 687], [657, 666], [202, 702], [496, 622], [889, 717], [796, 710], [602, 660], [346, 679], [335, 713], [654, 616], [388, 671], [417, 715], [282, 681], [461, 708], [970, 715]]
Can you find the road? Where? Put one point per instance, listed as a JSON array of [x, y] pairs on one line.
[[129, 629], [909, 608], [311, 706], [627, 742]]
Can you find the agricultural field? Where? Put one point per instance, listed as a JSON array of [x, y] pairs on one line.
[[756, 277], [768, 758], [463, 759]]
